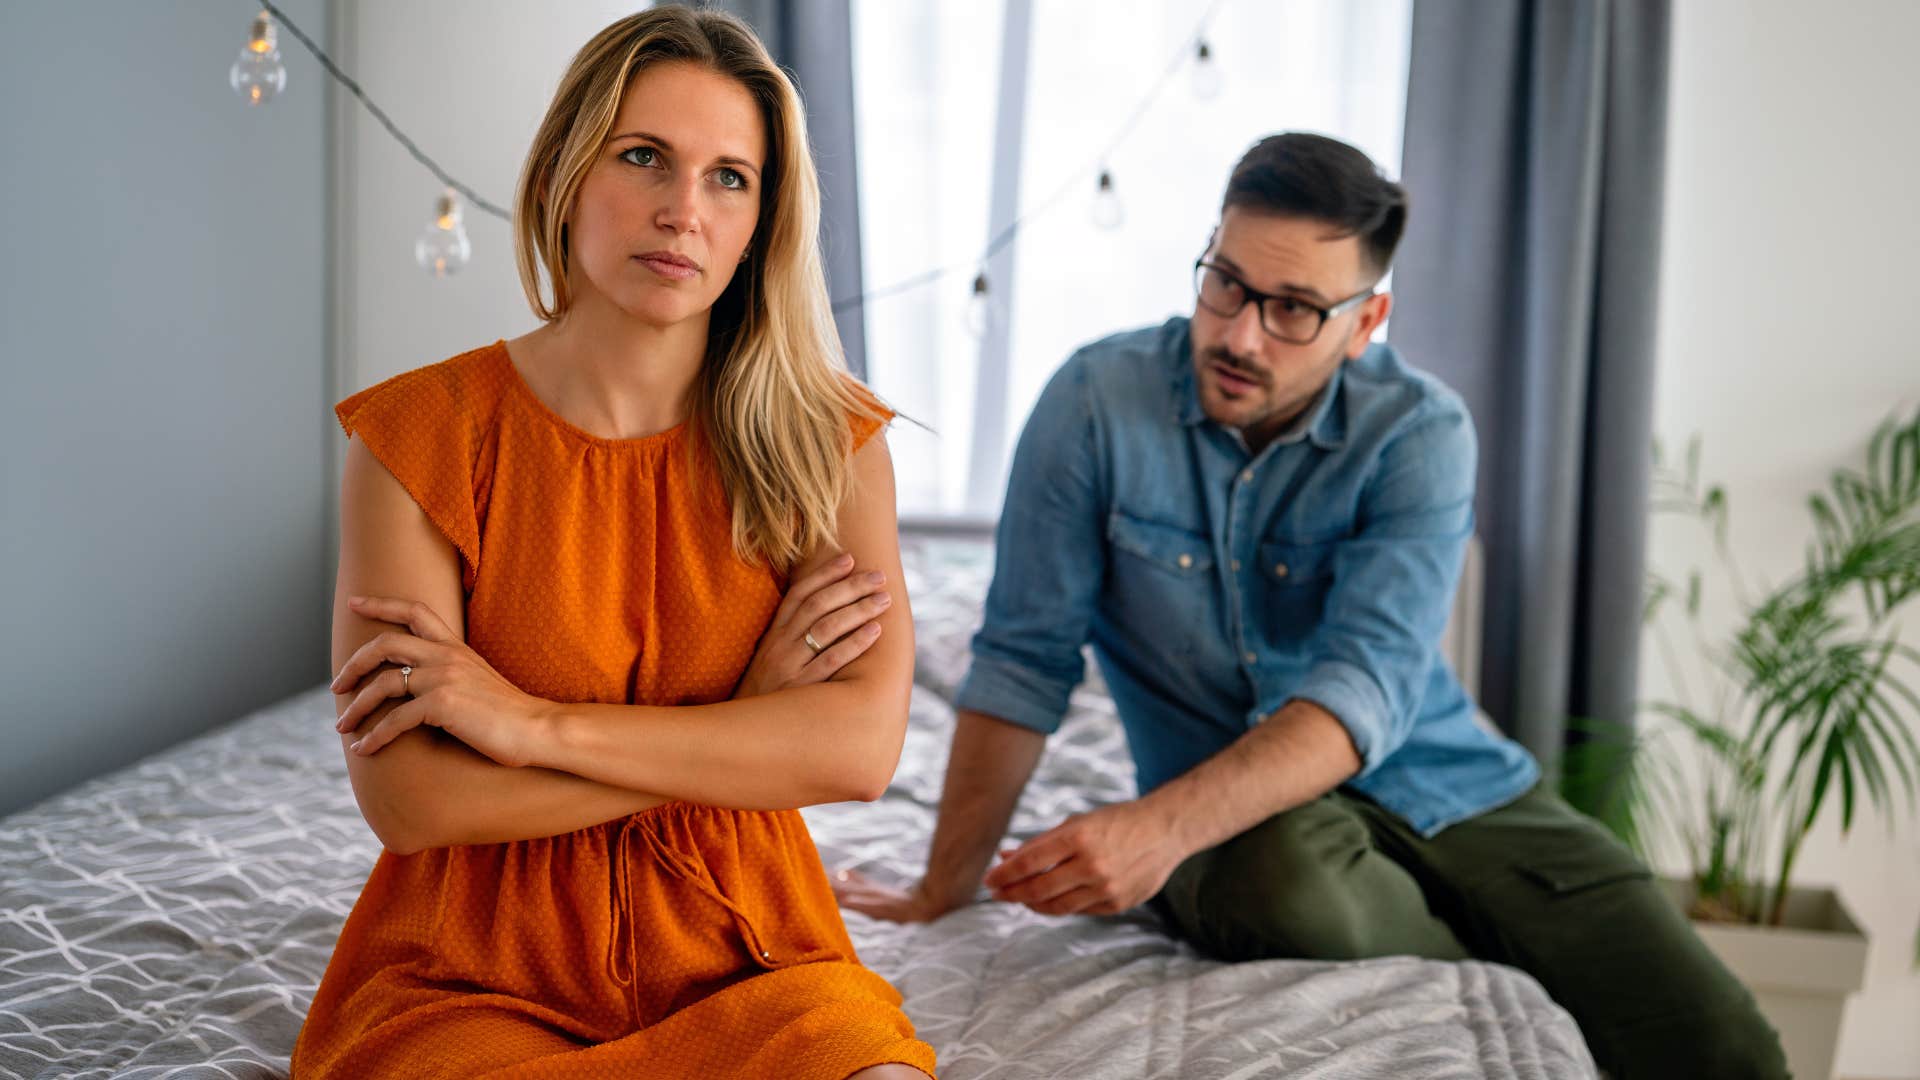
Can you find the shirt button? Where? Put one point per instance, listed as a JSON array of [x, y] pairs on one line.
[[1251, 658], [1236, 565], [1246, 476], [1280, 569], [1185, 560]]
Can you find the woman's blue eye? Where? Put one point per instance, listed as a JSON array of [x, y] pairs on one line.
[[731, 178], [647, 150]]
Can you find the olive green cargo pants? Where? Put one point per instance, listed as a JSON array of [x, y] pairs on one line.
[[1534, 884]]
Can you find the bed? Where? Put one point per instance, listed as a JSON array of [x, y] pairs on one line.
[[173, 918]]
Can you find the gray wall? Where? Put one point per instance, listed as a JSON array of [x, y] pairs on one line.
[[163, 392]]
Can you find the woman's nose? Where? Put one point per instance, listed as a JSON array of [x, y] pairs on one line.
[[680, 212]]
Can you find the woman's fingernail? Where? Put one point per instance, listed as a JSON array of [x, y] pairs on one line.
[[873, 629], [883, 599], [356, 599], [843, 561], [876, 577], [356, 745]]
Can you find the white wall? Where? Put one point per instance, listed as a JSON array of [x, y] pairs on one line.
[[163, 257], [1789, 328]]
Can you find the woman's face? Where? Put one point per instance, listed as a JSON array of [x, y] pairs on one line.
[[666, 211]]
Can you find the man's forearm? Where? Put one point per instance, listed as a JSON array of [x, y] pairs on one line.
[[1289, 759], [989, 765]]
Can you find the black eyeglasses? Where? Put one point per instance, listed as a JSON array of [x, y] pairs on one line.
[[1289, 318]]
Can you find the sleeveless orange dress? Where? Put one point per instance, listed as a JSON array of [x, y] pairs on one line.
[[681, 941]]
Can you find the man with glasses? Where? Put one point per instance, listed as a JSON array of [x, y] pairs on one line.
[[1256, 516]]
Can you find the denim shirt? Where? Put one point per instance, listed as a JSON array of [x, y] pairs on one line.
[[1215, 584]]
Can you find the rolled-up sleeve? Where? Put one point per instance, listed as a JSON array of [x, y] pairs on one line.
[[1050, 560], [1394, 582]]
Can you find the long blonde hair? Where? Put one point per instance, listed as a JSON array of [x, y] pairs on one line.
[[773, 399]]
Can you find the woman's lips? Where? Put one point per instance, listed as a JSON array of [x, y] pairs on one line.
[[667, 268]]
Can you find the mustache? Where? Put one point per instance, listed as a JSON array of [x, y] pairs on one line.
[[1236, 365]]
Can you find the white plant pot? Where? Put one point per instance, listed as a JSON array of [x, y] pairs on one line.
[[1800, 972]]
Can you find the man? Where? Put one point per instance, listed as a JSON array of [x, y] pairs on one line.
[[1257, 518]]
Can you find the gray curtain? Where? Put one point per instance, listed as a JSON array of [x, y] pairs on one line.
[[1535, 144], [813, 40]]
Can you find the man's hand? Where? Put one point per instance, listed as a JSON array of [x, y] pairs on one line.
[[1098, 863], [858, 892]]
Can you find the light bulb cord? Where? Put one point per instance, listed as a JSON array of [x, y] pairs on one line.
[[380, 114], [1000, 240]]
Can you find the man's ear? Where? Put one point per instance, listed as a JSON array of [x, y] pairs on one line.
[[1372, 314]]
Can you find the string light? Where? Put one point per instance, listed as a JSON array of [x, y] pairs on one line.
[[443, 247], [258, 74], [1066, 188], [1105, 209], [1205, 76], [980, 312]]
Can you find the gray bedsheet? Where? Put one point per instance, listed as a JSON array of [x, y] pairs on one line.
[[173, 919]]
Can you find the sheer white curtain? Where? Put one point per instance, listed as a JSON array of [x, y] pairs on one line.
[[928, 84]]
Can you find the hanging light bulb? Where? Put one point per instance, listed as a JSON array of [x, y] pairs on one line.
[[1106, 211], [443, 248], [1205, 72], [258, 74], [980, 307]]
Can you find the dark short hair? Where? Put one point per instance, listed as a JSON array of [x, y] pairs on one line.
[[1296, 174]]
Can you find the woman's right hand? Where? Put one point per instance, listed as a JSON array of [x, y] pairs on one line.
[[837, 607]]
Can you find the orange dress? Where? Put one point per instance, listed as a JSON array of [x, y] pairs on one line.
[[681, 941]]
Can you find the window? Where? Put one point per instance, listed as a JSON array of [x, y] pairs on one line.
[[954, 145]]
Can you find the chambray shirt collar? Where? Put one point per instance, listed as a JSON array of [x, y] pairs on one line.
[[1324, 423]]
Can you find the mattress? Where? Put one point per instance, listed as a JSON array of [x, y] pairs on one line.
[[173, 919]]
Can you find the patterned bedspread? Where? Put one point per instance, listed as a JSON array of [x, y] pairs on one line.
[[172, 919]]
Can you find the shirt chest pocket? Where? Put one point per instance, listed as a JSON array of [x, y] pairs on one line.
[[1297, 578], [1160, 578]]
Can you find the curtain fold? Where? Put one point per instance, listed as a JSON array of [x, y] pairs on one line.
[[813, 40], [1535, 147]]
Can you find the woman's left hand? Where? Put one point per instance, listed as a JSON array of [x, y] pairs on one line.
[[450, 686]]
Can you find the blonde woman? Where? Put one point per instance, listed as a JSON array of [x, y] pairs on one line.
[[596, 636]]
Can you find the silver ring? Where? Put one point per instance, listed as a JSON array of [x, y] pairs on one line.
[[814, 645], [406, 677]]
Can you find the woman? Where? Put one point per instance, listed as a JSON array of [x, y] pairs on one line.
[[567, 553]]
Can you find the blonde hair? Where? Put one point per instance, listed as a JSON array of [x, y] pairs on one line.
[[773, 400]]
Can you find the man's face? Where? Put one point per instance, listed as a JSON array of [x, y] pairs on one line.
[[1247, 378]]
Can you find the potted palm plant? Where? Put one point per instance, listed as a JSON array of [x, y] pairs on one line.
[[1811, 709]]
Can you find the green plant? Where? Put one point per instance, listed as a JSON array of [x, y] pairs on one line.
[[1811, 694]]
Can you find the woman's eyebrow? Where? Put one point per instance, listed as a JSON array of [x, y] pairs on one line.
[[725, 159]]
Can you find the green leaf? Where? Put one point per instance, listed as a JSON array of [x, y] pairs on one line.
[[1657, 592], [1714, 509]]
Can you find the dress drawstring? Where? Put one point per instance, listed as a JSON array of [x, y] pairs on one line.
[[622, 916], [680, 866]]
